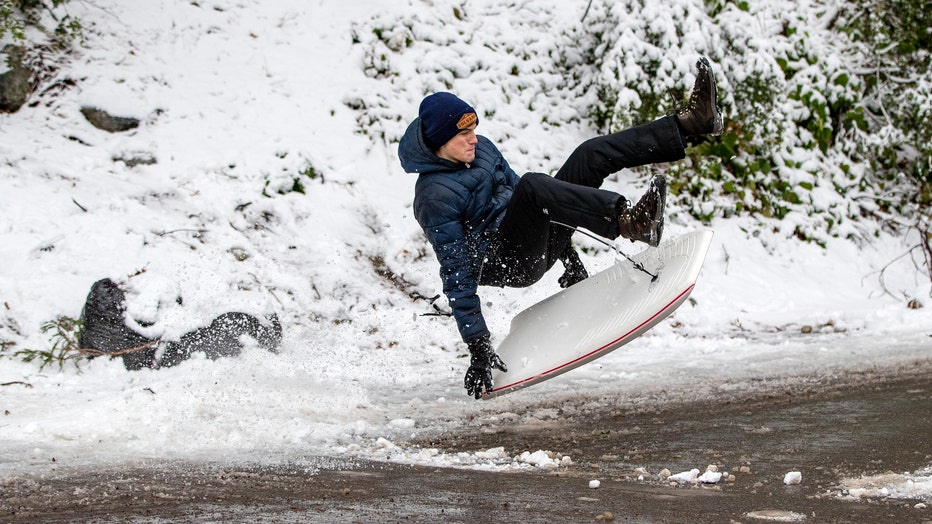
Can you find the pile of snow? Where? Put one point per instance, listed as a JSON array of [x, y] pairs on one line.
[[776, 515], [711, 476], [494, 459], [792, 478], [916, 485], [243, 104]]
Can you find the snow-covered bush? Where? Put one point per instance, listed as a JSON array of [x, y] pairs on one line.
[[506, 59], [827, 103], [10, 23], [817, 129], [20, 17], [889, 45]]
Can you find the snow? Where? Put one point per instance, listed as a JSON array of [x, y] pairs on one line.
[[4, 67], [690, 476], [711, 476], [237, 100], [792, 478], [907, 485], [776, 515]]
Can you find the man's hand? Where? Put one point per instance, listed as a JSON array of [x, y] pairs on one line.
[[482, 360]]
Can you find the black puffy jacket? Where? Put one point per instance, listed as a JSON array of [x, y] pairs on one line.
[[459, 206]]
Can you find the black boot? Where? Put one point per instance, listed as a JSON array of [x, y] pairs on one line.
[[643, 222], [702, 116], [574, 270]]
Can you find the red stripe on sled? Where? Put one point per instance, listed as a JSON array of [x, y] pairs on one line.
[[615, 342]]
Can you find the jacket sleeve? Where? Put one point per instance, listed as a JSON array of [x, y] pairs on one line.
[[440, 219]]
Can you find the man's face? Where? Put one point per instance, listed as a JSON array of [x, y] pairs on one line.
[[462, 147]]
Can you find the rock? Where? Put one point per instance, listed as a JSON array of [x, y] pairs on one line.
[[222, 338], [105, 330], [107, 122], [17, 81]]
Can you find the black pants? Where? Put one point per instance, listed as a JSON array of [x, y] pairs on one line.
[[527, 243]]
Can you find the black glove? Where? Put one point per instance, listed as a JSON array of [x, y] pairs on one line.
[[481, 362]]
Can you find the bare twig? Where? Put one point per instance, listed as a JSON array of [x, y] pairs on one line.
[[17, 382], [91, 352], [586, 13], [163, 233], [924, 247]]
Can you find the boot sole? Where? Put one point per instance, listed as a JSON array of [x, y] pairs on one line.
[[716, 122], [660, 183]]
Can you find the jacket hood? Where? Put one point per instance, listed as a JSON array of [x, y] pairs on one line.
[[417, 157]]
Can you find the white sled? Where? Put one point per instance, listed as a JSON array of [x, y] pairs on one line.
[[599, 314]]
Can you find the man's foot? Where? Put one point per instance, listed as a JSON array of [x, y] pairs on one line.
[[702, 116], [643, 222], [575, 271]]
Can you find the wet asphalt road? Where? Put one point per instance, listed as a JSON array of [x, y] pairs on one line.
[[862, 424]]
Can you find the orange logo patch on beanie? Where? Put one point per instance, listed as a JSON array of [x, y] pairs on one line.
[[467, 120]]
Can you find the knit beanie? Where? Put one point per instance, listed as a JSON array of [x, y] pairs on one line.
[[443, 115]]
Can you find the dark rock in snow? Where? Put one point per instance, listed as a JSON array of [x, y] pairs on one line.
[[105, 330], [17, 81], [107, 122]]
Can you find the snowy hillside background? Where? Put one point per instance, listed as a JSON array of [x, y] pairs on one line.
[[264, 178]]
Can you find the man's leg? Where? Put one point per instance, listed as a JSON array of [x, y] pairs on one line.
[[599, 157], [659, 141], [528, 243], [652, 143]]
